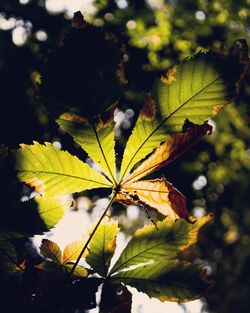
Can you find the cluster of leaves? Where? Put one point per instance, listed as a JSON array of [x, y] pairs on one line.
[[222, 158], [193, 91], [171, 121], [150, 262]]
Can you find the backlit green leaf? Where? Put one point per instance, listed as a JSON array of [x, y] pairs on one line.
[[146, 136], [51, 210], [168, 151], [167, 280], [150, 262], [195, 89], [96, 138], [54, 172], [102, 247], [150, 244]]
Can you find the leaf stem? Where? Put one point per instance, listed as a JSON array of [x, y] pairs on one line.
[[113, 195]]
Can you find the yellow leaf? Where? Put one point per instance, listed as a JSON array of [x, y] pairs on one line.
[[158, 194], [72, 250]]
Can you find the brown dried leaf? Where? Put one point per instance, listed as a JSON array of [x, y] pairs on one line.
[[158, 194], [50, 250]]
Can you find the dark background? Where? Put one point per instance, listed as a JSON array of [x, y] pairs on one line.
[[149, 36]]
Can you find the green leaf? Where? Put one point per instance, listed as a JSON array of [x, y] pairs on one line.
[[150, 262], [150, 244], [51, 210], [146, 136], [54, 172], [96, 138], [167, 280], [102, 247], [196, 90]]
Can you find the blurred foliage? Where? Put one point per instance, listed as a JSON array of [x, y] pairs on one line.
[[155, 34]]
